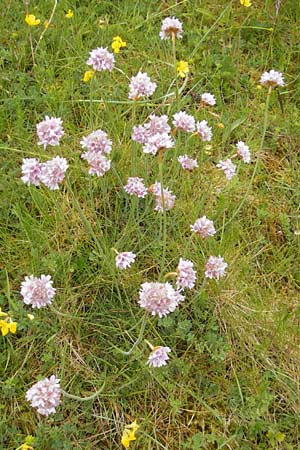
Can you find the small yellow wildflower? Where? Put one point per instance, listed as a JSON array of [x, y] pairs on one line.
[[246, 3], [8, 326], [30, 316], [183, 68], [117, 43], [31, 20], [69, 14], [46, 24], [129, 434], [25, 447], [221, 125], [88, 75]]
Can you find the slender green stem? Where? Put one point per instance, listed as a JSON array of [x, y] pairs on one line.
[[175, 63], [164, 240], [46, 28], [134, 151], [84, 399], [137, 342]]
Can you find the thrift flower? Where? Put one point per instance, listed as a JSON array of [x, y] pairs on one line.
[[53, 172], [208, 99], [49, 131], [159, 298], [158, 141], [129, 434], [125, 259], [69, 14], [141, 86], [243, 151], [204, 227], [101, 59], [31, 20], [187, 163], [215, 267], [182, 68], [158, 357], [37, 292], [88, 75], [97, 142], [272, 78], [45, 395], [99, 164], [165, 201], [228, 168], [31, 171], [246, 3], [186, 275], [155, 125], [171, 26], [135, 186], [204, 131], [184, 121], [117, 44]]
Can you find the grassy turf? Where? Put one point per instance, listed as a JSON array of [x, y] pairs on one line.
[[233, 378]]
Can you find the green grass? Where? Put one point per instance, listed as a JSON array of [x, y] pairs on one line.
[[233, 379]]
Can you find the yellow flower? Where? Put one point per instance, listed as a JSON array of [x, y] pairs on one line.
[[26, 447], [88, 75], [246, 3], [12, 327], [117, 43], [183, 68], [4, 327], [69, 14], [129, 434], [31, 20]]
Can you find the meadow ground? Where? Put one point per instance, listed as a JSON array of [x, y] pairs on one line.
[[232, 381]]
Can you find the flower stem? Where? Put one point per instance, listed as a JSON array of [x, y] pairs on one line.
[[164, 240], [175, 63], [83, 399]]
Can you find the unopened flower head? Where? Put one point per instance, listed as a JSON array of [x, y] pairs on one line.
[[97, 142], [141, 86], [135, 186], [101, 59], [125, 259], [45, 395], [31, 171], [186, 275], [159, 298], [158, 141], [184, 121], [99, 164], [272, 78], [215, 267], [49, 131], [171, 26], [204, 227], [158, 357], [204, 131], [228, 168], [187, 163], [37, 292], [165, 201], [53, 172], [208, 99], [243, 151]]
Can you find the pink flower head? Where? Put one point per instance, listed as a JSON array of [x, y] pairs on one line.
[[157, 125], [170, 26], [184, 121], [243, 151], [97, 142], [272, 78], [159, 298], [158, 141], [204, 227], [141, 86], [31, 171], [53, 172], [50, 131], [135, 186], [215, 267], [45, 395], [187, 163], [139, 134], [101, 59], [99, 164], [158, 357], [186, 275], [204, 131], [125, 259], [37, 292], [168, 198], [208, 99], [228, 168]]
